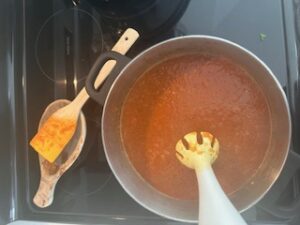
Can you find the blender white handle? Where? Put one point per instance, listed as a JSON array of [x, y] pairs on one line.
[[214, 206]]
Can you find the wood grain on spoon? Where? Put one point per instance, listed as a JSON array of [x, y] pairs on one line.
[[60, 127]]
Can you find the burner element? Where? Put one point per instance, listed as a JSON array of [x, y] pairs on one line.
[[84, 181], [67, 45], [119, 9], [150, 18], [90, 172]]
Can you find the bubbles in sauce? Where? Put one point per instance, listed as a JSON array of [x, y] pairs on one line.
[[195, 93]]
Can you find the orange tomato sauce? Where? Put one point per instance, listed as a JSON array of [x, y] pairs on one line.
[[195, 93]]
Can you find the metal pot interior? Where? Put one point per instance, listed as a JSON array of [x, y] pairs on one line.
[[136, 186]]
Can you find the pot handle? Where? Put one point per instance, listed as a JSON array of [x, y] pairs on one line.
[[270, 202], [99, 94]]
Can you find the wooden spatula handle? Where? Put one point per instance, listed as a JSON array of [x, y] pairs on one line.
[[122, 46], [45, 192]]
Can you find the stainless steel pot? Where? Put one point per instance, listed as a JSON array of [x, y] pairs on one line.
[[132, 182]]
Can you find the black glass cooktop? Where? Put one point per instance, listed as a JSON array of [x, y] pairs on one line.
[[57, 42]]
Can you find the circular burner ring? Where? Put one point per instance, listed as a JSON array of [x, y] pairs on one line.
[[43, 55], [114, 9]]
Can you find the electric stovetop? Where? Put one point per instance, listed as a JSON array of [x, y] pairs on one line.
[[46, 51]]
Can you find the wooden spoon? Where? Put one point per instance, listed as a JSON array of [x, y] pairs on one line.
[[59, 128], [51, 172], [214, 206]]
